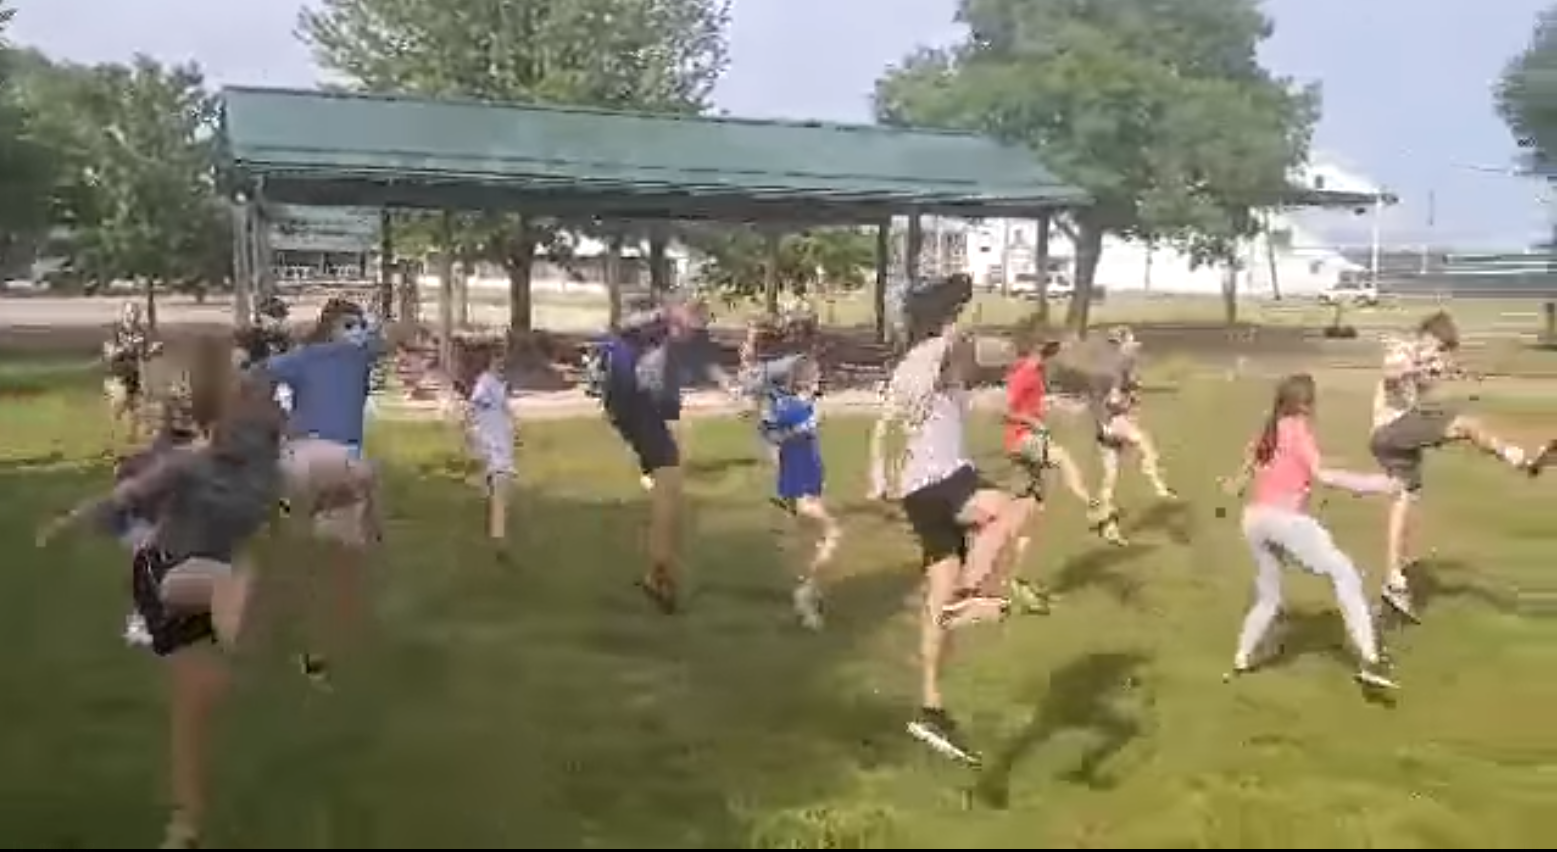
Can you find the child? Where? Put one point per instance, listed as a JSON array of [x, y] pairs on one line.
[[489, 427], [1406, 423], [1115, 403], [789, 424], [135, 526], [1033, 453], [1284, 464]]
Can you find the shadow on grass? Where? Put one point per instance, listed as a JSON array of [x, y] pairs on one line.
[[540, 703], [1098, 568], [1175, 518], [1087, 695], [1434, 580]]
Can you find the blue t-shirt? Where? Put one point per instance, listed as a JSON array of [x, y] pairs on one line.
[[790, 423], [329, 384]]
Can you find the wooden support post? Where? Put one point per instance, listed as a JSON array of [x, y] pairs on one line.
[[386, 264], [446, 293], [879, 292], [770, 270]]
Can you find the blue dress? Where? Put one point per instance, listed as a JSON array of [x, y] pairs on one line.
[[790, 424]]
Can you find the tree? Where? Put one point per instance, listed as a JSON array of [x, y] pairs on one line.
[[1160, 110], [26, 164], [1526, 95], [660, 55], [135, 193], [817, 262]]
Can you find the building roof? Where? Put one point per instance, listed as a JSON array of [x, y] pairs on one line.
[[340, 149]]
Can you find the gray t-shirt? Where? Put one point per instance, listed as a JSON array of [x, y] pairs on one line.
[[207, 502]]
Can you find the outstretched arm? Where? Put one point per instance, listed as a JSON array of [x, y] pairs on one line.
[[145, 487]]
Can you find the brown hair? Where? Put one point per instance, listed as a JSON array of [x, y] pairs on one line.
[[472, 357], [1440, 326], [221, 396], [1295, 396], [329, 315]]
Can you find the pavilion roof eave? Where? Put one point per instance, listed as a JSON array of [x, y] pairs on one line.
[[610, 198]]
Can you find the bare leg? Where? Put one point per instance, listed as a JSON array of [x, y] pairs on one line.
[[1473, 431], [498, 489], [199, 678], [941, 580], [665, 509]]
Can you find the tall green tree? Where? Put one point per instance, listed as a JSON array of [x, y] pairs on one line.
[[660, 55], [1526, 95], [135, 195], [1161, 110], [26, 164]]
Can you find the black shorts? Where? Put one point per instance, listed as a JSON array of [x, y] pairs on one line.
[[649, 436], [170, 632], [933, 514], [1398, 445]]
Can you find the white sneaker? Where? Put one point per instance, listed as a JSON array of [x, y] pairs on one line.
[[808, 606], [136, 633]]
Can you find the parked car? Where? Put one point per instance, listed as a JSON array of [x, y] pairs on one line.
[[1350, 292]]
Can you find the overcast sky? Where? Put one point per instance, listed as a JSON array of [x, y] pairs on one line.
[[1406, 82]]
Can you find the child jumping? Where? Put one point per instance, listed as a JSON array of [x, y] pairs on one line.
[[789, 424], [1283, 465]]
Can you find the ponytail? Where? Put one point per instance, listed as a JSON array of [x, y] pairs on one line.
[[1265, 446]]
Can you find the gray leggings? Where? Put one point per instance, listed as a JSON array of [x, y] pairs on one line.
[[1277, 535]]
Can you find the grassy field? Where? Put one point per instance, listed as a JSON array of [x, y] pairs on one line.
[[542, 705]]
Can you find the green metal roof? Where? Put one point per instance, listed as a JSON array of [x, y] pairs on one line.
[[337, 149]]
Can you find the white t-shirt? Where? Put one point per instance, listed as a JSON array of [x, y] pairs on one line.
[[933, 418], [491, 422]]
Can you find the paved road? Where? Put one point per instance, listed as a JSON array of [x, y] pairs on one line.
[[43, 312]]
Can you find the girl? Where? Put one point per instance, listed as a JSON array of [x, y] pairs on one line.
[[191, 582], [489, 429], [134, 527], [1284, 465], [790, 426], [1114, 403], [964, 526]]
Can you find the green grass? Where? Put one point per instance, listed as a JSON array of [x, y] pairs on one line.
[[544, 706]]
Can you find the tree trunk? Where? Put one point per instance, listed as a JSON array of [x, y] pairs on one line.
[[613, 280], [1230, 293], [467, 269], [410, 294], [519, 262], [1089, 250], [151, 304], [659, 262], [770, 273]]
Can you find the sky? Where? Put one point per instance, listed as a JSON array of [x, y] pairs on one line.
[[1407, 83]]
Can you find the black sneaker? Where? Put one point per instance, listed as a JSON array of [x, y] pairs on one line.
[[937, 730]]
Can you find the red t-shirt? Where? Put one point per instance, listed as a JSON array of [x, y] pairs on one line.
[[1026, 387]]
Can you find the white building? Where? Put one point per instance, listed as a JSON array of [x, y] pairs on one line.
[[1291, 254]]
